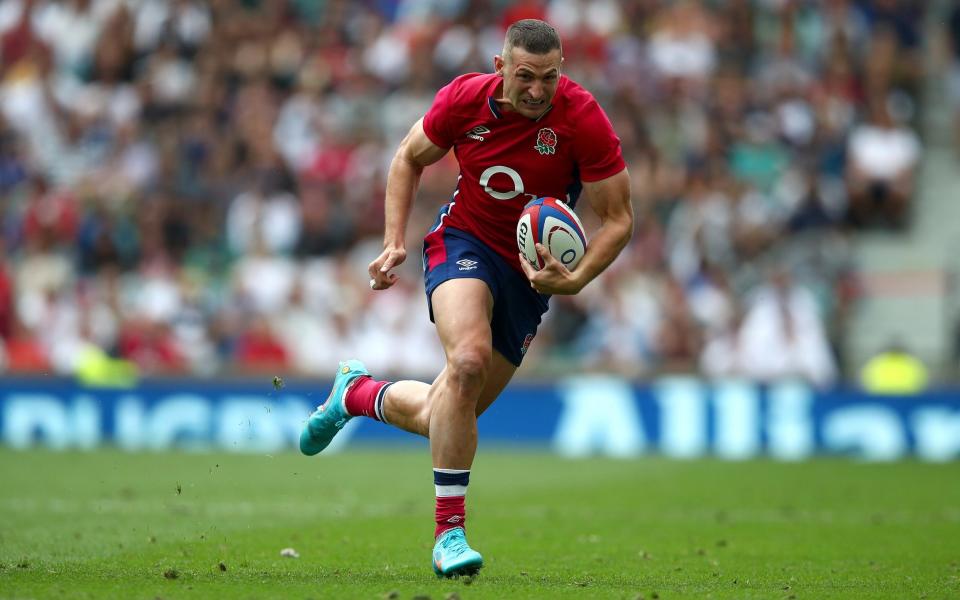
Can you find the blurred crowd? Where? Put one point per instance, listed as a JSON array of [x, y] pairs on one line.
[[196, 187]]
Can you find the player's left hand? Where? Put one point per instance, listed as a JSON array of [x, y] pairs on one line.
[[553, 278]]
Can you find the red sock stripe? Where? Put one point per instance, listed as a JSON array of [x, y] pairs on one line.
[[450, 513], [362, 397]]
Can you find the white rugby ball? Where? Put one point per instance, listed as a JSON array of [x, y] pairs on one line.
[[551, 222]]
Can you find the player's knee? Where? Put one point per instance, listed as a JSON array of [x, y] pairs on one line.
[[469, 367]]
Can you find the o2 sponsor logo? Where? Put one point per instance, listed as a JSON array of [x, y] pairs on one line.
[[516, 181], [518, 188]]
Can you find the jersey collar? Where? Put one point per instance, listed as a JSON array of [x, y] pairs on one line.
[[494, 108]]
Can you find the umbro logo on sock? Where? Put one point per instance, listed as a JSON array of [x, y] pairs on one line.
[[455, 519]]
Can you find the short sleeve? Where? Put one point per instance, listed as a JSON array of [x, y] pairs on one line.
[[438, 122], [597, 152]]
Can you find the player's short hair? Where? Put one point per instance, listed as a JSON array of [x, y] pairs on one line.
[[533, 35]]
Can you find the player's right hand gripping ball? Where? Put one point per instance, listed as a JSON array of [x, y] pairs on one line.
[[551, 222]]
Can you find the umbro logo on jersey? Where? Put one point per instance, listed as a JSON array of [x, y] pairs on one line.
[[466, 264], [478, 132]]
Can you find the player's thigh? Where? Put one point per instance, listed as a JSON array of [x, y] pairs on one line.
[[500, 374], [462, 309]]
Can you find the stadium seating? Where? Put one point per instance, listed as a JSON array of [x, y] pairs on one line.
[[197, 188]]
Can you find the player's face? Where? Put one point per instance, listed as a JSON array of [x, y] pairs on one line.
[[529, 80]]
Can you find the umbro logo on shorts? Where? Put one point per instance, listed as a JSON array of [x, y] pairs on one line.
[[478, 132], [466, 264]]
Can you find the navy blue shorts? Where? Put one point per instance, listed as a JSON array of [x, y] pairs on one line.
[[450, 253]]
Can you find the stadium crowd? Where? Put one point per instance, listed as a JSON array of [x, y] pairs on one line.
[[197, 187]]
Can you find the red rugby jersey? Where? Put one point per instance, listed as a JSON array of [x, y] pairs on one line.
[[506, 160]]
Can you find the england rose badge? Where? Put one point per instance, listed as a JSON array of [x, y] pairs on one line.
[[546, 141]]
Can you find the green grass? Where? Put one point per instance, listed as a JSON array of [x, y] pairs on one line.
[[108, 524]]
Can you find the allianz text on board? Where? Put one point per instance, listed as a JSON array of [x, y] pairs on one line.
[[677, 417]]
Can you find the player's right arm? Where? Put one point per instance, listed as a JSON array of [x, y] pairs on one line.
[[414, 154]]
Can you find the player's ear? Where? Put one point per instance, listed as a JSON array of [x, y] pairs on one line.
[[498, 65]]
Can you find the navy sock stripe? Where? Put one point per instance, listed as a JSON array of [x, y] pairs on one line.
[[440, 478], [378, 403]]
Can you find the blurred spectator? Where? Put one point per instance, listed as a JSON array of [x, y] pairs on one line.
[[894, 371], [313, 338], [894, 61], [264, 280], [700, 227], [678, 337], [264, 214], [149, 344], [953, 68], [7, 307], [259, 350], [782, 335], [882, 169], [681, 44], [95, 368], [722, 356]]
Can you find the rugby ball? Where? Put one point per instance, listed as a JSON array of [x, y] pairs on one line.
[[551, 222]]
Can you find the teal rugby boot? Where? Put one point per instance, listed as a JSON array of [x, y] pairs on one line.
[[453, 557], [330, 417]]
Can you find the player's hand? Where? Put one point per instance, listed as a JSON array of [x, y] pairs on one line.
[[553, 278], [380, 276]]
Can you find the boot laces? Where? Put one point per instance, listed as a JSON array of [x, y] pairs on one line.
[[455, 543]]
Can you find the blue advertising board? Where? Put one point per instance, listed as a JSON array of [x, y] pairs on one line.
[[679, 417]]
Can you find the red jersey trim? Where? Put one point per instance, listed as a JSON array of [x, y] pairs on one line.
[[435, 248]]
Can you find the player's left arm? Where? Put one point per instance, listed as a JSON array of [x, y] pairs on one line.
[[610, 199]]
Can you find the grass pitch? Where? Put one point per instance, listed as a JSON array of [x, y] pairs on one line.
[[108, 524]]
